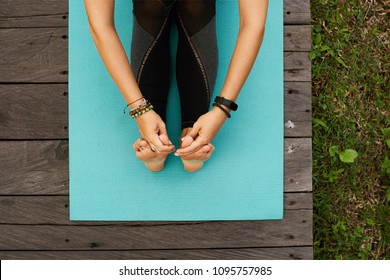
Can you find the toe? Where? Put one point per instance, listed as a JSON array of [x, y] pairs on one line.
[[136, 145], [143, 143], [186, 141], [206, 149]]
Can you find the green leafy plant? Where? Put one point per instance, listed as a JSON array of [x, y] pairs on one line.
[[346, 156]]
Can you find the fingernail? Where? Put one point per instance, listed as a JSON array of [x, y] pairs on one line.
[[176, 154], [170, 143], [182, 139]]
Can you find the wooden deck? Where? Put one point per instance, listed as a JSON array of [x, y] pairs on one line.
[[34, 179]]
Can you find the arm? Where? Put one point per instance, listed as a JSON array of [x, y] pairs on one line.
[[101, 25], [249, 39]]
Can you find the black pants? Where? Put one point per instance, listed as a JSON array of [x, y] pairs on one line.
[[196, 58]]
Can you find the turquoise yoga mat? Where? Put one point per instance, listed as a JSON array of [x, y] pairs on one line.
[[243, 180]]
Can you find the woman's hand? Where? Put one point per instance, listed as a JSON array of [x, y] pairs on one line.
[[150, 126], [204, 130]]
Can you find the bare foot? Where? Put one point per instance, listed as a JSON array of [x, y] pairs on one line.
[[154, 161], [193, 162]]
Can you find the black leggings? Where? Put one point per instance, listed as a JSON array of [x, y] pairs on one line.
[[196, 58]]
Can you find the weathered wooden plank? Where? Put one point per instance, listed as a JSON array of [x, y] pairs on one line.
[[40, 111], [284, 253], [34, 167], [34, 55], [27, 13], [294, 230], [53, 13], [41, 167], [41, 56], [34, 111], [298, 164], [32, 210], [297, 67], [297, 11], [297, 109], [297, 38]]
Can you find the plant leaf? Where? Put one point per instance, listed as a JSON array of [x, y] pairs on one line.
[[386, 131], [339, 60], [348, 155], [333, 150], [319, 122], [312, 55]]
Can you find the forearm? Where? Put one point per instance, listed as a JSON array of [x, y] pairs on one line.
[[247, 47], [115, 59]]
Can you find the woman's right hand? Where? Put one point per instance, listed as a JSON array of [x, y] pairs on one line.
[[151, 126]]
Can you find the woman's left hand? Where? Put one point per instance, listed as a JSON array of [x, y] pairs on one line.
[[204, 130]]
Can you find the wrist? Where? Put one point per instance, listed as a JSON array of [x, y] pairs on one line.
[[136, 103], [219, 114]]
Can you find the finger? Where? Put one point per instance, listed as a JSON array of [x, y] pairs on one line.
[[163, 129], [159, 146], [196, 145], [163, 135], [165, 140], [194, 131]]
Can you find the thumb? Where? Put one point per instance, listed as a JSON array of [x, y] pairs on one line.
[[194, 132]]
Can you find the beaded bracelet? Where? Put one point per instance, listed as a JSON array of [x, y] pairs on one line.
[[219, 105], [141, 111], [124, 110], [133, 112]]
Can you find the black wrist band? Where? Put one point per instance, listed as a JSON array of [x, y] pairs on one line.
[[223, 109], [226, 102]]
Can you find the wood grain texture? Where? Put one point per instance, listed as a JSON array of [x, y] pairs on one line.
[[54, 210], [41, 167], [34, 55], [297, 38], [34, 167], [294, 230], [27, 13], [284, 253], [54, 13], [297, 164], [29, 111], [297, 67], [297, 109], [296, 11]]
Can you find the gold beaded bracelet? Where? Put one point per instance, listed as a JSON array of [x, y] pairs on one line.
[[142, 110]]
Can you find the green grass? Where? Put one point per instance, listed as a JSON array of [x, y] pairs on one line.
[[351, 100]]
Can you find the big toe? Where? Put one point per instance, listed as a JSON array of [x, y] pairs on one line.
[[186, 141]]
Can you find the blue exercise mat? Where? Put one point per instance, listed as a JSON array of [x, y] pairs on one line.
[[243, 180]]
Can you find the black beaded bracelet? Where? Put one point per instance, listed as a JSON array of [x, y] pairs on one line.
[[223, 109]]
